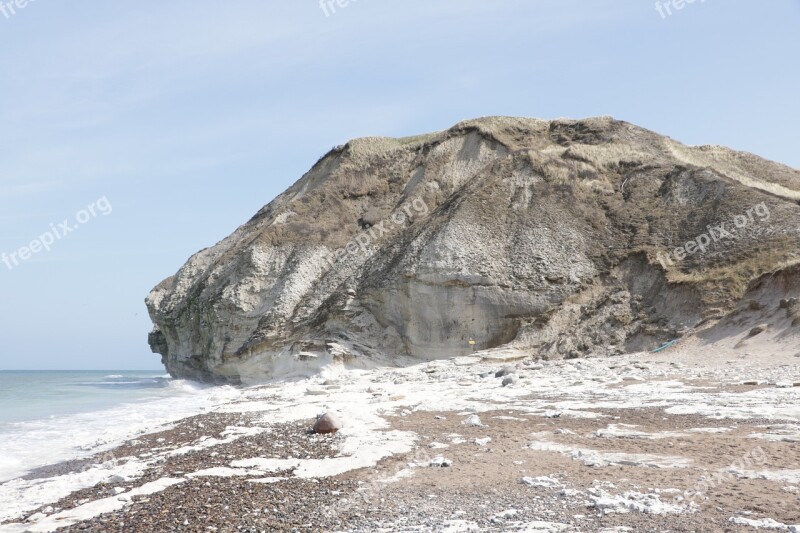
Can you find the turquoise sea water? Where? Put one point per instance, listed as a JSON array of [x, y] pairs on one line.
[[49, 417], [29, 395]]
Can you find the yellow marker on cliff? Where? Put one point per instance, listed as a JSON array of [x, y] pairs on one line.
[[472, 344]]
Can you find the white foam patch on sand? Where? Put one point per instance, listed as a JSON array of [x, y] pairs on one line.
[[635, 502], [591, 457], [92, 509], [268, 480], [647, 387], [770, 404], [779, 433], [545, 482], [775, 438], [230, 434], [267, 465], [19, 494], [627, 431], [709, 430], [763, 523], [222, 471], [785, 476], [365, 436], [361, 452], [557, 388], [467, 526]]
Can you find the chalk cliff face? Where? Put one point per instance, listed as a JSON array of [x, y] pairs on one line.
[[563, 238]]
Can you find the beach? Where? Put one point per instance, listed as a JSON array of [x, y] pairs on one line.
[[496, 441]]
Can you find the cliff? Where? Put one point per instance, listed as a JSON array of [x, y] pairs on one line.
[[561, 238]]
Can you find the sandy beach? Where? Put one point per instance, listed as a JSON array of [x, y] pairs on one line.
[[498, 441]]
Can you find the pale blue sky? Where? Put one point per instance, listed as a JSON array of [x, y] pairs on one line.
[[188, 116]]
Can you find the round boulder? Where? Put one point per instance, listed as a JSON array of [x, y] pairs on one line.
[[509, 380], [327, 423]]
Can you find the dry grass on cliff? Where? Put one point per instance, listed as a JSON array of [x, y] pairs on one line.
[[742, 167], [607, 156]]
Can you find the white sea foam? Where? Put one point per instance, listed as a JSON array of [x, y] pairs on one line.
[[635, 502], [25, 446], [92, 509], [364, 399]]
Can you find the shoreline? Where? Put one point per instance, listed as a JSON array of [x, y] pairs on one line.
[[578, 445]]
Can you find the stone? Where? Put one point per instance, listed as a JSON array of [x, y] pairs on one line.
[[509, 380], [758, 330], [505, 371], [440, 462], [327, 423], [473, 420]]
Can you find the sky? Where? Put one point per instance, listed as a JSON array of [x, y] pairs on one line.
[[155, 128]]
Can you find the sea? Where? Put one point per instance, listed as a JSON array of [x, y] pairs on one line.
[[48, 417]]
